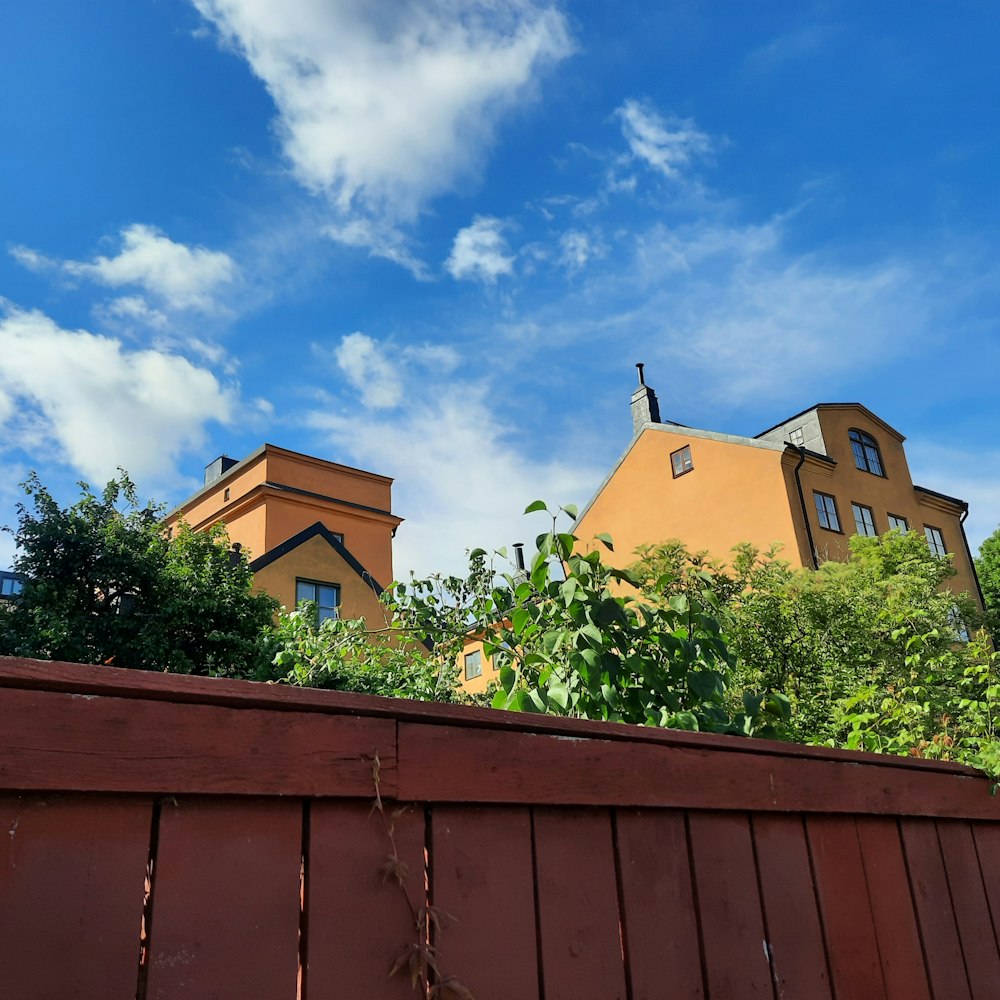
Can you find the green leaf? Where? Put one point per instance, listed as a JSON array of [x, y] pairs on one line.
[[604, 537], [535, 505], [571, 509]]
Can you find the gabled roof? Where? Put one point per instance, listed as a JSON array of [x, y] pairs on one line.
[[314, 530], [837, 406]]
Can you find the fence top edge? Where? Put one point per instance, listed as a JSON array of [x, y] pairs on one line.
[[117, 682]]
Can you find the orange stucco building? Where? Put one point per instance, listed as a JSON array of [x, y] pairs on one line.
[[313, 529], [808, 483]]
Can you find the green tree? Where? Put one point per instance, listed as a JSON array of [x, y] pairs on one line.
[[565, 644], [104, 584], [988, 571]]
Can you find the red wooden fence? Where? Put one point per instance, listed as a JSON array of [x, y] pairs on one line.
[[173, 837]]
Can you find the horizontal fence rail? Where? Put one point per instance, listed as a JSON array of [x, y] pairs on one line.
[[175, 837]]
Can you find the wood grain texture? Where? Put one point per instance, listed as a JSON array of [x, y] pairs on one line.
[[848, 925], [578, 918], [900, 953], [71, 892], [358, 921], [481, 860], [451, 764], [225, 900], [93, 743], [987, 840], [935, 912], [657, 905], [729, 906], [972, 911], [794, 933]]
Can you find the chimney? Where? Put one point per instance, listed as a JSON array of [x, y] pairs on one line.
[[218, 468], [645, 407]]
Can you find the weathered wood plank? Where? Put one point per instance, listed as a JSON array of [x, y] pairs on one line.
[[578, 905], [729, 906], [972, 911], [900, 953], [357, 918], [72, 872], [663, 951], [451, 764], [794, 935], [987, 838], [935, 914], [91, 743], [481, 860], [45, 675], [842, 891], [225, 900]]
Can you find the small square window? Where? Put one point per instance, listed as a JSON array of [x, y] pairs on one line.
[[680, 461], [864, 520], [326, 597], [473, 664], [935, 540], [797, 437], [826, 511], [897, 523]]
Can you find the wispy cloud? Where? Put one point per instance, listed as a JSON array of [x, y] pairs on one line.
[[480, 252], [362, 361], [178, 276], [384, 106], [100, 404], [665, 143]]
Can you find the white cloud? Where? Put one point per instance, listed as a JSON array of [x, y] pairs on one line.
[[360, 359], [382, 106], [439, 357], [479, 252], [133, 308], [101, 405], [380, 240], [179, 276], [576, 248], [665, 143], [462, 476]]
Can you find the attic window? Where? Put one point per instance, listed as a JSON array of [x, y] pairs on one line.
[[866, 454], [680, 461]]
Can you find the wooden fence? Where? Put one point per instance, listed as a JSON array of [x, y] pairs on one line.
[[172, 837]]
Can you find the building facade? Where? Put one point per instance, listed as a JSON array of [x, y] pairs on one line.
[[807, 484], [312, 529]]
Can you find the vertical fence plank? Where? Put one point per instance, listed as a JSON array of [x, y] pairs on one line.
[[903, 969], [357, 919], [578, 905], [935, 913], [987, 838], [71, 891], [482, 877], [658, 913], [972, 912], [225, 902], [847, 917], [795, 937], [729, 905]]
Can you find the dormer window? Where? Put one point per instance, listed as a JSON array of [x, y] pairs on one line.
[[866, 454]]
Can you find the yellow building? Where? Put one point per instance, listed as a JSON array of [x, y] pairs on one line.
[[809, 483], [313, 530]]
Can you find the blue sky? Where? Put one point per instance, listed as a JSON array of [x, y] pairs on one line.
[[432, 238]]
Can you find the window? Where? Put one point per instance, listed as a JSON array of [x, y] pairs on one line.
[[958, 624], [864, 520], [866, 453], [826, 508], [897, 523], [10, 586], [796, 437], [935, 540], [326, 597], [680, 461], [473, 664]]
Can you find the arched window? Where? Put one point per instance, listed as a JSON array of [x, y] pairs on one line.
[[866, 453]]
